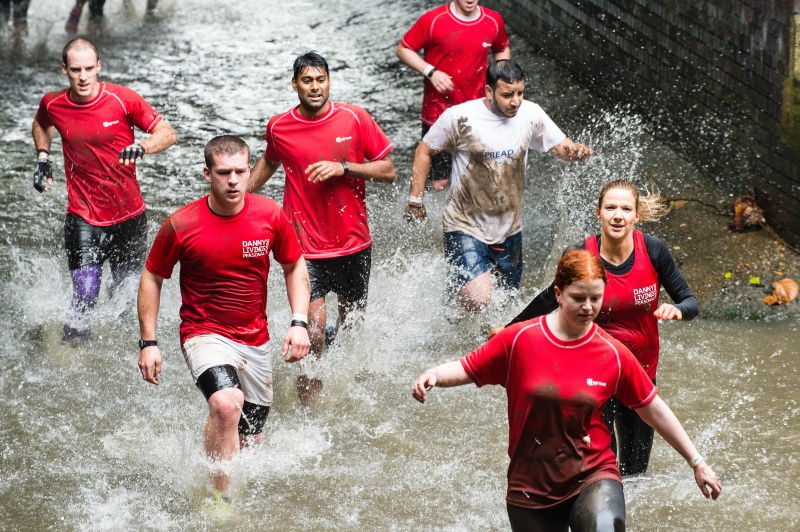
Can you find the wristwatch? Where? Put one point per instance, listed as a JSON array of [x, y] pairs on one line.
[[146, 343]]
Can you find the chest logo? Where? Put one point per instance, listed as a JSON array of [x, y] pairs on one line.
[[255, 248], [592, 382], [342, 139], [645, 295], [109, 124], [487, 44]]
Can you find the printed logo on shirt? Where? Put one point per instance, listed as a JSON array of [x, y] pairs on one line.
[[592, 382], [255, 248], [645, 295], [108, 124], [487, 44], [342, 139], [497, 154]]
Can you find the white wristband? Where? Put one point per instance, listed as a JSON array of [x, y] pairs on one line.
[[696, 460], [428, 72], [414, 199], [300, 317]]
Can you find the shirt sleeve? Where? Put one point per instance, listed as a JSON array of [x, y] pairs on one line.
[[286, 249], [376, 144], [42, 116], [418, 35], [441, 135], [140, 113], [671, 279], [166, 251], [500, 42], [490, 362], [546, 134], [634, 388], [270, 153]]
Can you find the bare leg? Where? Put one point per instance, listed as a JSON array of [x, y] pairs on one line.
[[221, 434], [308, 389], [477, 294], [74, 18]]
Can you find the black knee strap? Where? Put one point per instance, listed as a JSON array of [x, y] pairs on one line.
[[253, 418], [217, 378]]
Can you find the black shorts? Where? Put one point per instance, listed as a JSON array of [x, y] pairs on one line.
[[123, 244], [441, 163], [346, 276]]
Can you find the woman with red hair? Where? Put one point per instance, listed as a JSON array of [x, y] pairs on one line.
[[558, 371], [638, 265]]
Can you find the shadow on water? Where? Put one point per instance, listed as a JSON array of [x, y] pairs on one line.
[[85, 444]]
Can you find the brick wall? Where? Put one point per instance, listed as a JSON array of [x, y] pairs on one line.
[[713, 74]]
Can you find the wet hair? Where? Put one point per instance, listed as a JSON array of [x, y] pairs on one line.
[[651, 207], [309, 59], [505, 70], [224, 145], [578, 265], [79, 42]]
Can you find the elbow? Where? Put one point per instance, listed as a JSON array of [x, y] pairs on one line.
[[390, 175]]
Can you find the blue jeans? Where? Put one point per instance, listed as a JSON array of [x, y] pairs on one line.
[[469, 257]]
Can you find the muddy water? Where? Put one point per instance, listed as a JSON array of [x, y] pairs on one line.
[[85, 444]]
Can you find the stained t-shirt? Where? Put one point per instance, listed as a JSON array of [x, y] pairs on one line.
[[100, 190], [224, 266], [330, 217], [459, 48], [558, 443], [490, 153]]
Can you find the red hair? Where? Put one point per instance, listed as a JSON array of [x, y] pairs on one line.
[[579, 265]]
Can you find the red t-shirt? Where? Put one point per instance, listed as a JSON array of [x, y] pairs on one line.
[[330, 217], [558, 442], [459, 49], [224, 266], [99, 189], [629, 302]]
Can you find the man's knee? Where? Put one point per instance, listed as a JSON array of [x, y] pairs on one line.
[[225, 406], [477, 293]]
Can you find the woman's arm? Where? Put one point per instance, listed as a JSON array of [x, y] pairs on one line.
[[445, 375], [685, 302], [659, 416]]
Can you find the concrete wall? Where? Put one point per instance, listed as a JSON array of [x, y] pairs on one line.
[[713, 73]]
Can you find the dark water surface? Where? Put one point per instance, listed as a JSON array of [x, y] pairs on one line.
[[85, 444]]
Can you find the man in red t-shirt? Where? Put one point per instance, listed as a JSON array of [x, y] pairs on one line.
[[105, 211], [457, 38], [223, 242], [328, 151]]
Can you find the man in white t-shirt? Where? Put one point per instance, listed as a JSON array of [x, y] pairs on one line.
[[489, 140]]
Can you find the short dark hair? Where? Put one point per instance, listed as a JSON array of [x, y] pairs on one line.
[[225, 145], [79, 42], [504, 70], [309, 59]]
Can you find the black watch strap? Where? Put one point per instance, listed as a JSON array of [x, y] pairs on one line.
[[146, 343]]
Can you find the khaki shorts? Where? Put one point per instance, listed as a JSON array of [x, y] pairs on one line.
[[253, 364]]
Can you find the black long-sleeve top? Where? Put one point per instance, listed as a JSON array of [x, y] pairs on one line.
[[668, 276]]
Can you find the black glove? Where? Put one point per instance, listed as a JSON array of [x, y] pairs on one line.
[[132, 153], [41, 173]]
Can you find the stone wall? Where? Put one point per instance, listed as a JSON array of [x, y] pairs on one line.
[[714, 75]]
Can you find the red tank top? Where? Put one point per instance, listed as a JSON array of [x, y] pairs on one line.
[[629, 302]]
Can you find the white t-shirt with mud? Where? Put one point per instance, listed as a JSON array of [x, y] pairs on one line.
[[489, 158]]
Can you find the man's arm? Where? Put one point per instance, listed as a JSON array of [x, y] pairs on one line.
[[162, 137], [43, 172], [380, 171], [261, 172], [415, 210], [568, 150], [502, 55], [441, 80], [148, 304], [296, 343]]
